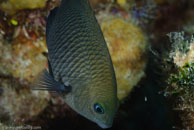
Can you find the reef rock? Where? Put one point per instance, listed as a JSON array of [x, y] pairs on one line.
[[18, 103], [12, 6]]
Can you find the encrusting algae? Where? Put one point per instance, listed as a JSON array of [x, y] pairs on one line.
[[20, 63], [27, 57], [23, 60], [12, 6]]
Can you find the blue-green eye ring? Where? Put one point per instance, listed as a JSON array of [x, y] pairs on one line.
[[98, 108]]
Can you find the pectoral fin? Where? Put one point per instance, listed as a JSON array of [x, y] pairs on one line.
[[47, 82]]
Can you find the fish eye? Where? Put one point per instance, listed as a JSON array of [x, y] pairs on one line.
[[98, 108]]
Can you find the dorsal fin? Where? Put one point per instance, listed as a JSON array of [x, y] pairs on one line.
[[50, 19], [50, 69]]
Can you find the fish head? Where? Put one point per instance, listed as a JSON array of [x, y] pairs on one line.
[[103, 111], [97, 104]]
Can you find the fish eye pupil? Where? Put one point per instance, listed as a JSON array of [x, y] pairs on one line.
[[98, 108]]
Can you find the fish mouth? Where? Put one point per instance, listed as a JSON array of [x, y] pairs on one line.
[[105, 126]]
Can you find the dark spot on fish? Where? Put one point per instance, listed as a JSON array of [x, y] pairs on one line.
[[64, 88]]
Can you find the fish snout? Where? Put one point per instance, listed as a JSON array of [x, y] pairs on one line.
[[105, 126]]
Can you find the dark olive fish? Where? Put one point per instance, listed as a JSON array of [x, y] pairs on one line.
[[80, 67]]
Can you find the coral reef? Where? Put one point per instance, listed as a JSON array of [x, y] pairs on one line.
[[23, 57], [182, 83], [22, 60], [4, 127], [127, 47], [28, 59], [19, 103], [183, 50], [6, 58], [184, 79]]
